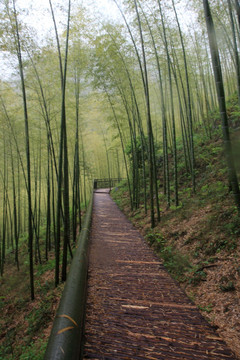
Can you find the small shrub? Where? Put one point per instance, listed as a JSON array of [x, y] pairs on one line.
[[226, 284], [207, 308], [42, 268], [39, 317], [34, 351], [197, 277], [174, 261], [152, 237]]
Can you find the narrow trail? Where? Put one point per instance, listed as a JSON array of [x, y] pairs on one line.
[[134, 309]]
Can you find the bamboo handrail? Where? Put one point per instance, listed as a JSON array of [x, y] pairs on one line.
[[66, 336]]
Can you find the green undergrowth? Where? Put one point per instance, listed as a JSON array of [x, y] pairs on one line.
[[175, 262], [24, 323]]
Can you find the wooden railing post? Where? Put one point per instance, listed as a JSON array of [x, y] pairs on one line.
[[105, 183]]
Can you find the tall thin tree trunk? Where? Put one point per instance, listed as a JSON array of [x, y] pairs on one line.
[[236, 54], [189, 101], [221, 101], [27, 143]]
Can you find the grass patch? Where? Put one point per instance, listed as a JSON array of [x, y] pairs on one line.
[[23, 322], [226, 284], [34, 351], [207, 308], [175, 262]]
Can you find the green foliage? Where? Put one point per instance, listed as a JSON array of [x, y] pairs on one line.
[[174, 207], [118, 202], [217, 245], [228, 223], [34, 351], [42, 268], [207, 308], [36, 320], [137, 216], [218, 188], [137, 150], [39, 317], [227, 287], [197, 277], [233, 227], [175, 262], [233, 110], [215, 117], [226, 284], [2, 303], [118, 192], [23, 240]]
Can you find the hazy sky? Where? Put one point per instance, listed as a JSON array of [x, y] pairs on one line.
[[38, 11], [36, 14]]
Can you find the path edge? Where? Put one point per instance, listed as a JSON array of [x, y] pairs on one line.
[[66, 335]]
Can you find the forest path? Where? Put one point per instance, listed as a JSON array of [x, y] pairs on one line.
[[134, 309]]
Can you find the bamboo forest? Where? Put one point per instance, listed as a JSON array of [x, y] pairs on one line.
[[139, 96]]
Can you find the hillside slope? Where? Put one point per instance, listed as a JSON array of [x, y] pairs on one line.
[[199, 240]]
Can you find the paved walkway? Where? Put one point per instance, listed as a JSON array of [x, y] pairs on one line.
[[135, 310]]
